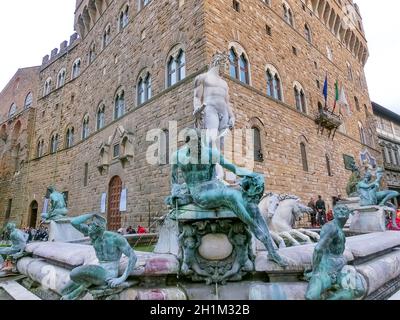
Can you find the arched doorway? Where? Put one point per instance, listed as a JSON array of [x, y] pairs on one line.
[[33, 211], [114, 197]]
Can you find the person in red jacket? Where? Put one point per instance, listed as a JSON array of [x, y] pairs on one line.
[[141, 230]]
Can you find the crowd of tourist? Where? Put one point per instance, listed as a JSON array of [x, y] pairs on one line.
[[39, 234], [320, 215], [130, 230]]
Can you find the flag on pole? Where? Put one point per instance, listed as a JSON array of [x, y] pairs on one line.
[[336, 96], [325, 92], [343, 101]]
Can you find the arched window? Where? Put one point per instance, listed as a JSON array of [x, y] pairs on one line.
[[101, 117], [85, 128], [300, 98], [28, 100], [40, 149], [54, 143], [277, 88], [119, 108], [47, 87], [171, 72], [349, 72], [270, 84], [69, 138], [357, 103], [244, 69], [124, 18], [307, 33], [328, 165], [143, 3], [258, 154], [176, 68], [362, 133], [92, 52], [106, 36], [181, 65], [239, 65], [12, 111], [274, 88], [288, 14], [76, 68], [329, 53], [144, 89], [304, 160], [233, 62], [61, 78]]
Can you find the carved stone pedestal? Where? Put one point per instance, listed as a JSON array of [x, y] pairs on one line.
[[62, 231], [215, 246], [369, 219]]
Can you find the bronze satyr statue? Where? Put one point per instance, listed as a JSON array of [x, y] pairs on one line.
[[331, 278], [109, 247], [58, 207], [18, 239]]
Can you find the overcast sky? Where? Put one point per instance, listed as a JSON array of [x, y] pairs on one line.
[[32, 28]]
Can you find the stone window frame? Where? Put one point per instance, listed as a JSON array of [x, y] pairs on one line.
[[308, 33], [123, 17], [40, 148], [143, 3], [12, 111], [28, 100], [275, 77], [304, 159], [61, 77], [144, 86], [76, 68], [69, 137], [47, 86], [92, 52], [85, 127], [101, 108], [288, 15], [329, 53], [240, 52], [300, 105], [357, 103], [362, 133], [106, 36], [120, 92], [54, 143], [173, 56], [350, 75]]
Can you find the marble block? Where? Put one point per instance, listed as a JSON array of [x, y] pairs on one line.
[[368, 219], [62, 231]]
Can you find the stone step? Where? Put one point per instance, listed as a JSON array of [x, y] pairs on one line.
[[17, 292]]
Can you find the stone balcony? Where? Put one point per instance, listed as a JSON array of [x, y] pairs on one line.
[[328, 120]]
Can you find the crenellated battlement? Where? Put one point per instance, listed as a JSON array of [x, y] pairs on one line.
[[58, 52]]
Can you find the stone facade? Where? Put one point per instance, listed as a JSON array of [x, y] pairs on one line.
[[17, 119], [388, 130], [116, 48]]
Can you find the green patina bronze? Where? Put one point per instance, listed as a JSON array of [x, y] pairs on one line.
[[58, 207], [109, 248], [355, 178], [331, 278], [18, 240], [369, 191], [197, 162]]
